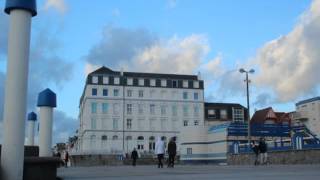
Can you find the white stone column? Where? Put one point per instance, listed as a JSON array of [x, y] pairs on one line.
[[32, 118], [12, 155], [46, 103]]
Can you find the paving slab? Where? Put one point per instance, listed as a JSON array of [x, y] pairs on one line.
[[196, 172]]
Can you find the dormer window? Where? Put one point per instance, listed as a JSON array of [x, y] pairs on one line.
[[105, 80], [141, 82], [94, 79], [196, 84], [163, 83], [152, 82], [116, 80], [185, 84], [130, 81]]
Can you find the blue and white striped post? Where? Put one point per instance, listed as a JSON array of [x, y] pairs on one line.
[[12, 155], [46, 102]]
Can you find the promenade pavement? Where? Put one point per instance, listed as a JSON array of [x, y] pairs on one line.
[[195, 172]]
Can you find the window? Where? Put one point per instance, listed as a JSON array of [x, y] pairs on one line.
[[185, 95], [196, 110], [163, 94], [105, 92], [140, 93], [140, 142], [174, 83], [93, 123], [116, 108], [129, 93], [174, 110], [93, 107], [185, 84], [185, 110], [105, 80], [195, 96], [196, 84], [163, 110], [189, 150], [105, 108], [94, 79], [130, 81], [163, 83], [115, 123], [223, 114], [211, 113], [141, 82], [238, 115], [129, 123], [152, 108], [152, 143], [140, 108], [116, 92], [185, 123], [104, 137], [152, 82], [129, 138], [129, 108], [115, 137], [116, 80], [196, 122], [94, 91]]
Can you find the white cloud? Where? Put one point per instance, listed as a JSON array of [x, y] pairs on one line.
[[58, 5], [290, 64], [175, 55], [140, 50]]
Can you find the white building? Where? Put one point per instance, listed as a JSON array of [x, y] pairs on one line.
[[308, 113], [120, 111]]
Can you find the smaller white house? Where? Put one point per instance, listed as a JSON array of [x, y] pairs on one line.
[[209, 143]]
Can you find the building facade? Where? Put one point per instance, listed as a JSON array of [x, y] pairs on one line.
[[308, 113], [120, 111]]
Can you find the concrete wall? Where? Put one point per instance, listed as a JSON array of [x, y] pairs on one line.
[[281, 157]]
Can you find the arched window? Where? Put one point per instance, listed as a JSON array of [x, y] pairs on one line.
[[152, 143], [115, 137], [140, 142], [104, 141], [140, 138], [104, 137]]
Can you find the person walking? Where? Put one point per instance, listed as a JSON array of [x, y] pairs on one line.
[[160, 150], [66, 159], [134, 157], [172, 151], [263, 148], [255, 149]]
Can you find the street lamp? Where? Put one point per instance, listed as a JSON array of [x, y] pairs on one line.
[[248, 104]]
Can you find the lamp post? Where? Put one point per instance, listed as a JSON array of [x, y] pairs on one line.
[[248, 104]]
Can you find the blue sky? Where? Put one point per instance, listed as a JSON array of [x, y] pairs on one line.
[[215, 37]]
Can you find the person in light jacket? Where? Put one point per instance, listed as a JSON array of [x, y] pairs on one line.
[[160, 150]]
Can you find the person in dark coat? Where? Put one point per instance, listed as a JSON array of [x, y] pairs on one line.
[[172, 151], [66, 159], [255, 149], [263, 148], [134, 157]]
